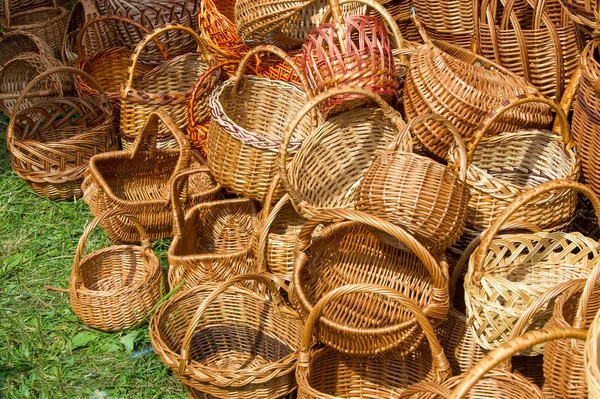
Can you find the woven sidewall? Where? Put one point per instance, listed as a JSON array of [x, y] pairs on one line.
[[16, 42], [592, 371], [451, 21], [277, 69], [48, 23], [582, 11]]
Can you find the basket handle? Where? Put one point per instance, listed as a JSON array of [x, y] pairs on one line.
[[269, 214], [512, 102], [146, 244], [304, 239], [524, 198], [139, 48], [189, 333], [441, 366], [593, 279], [509, 349], [310, 106], [426, 387], [117, 18], [567, 98], [7, 11]]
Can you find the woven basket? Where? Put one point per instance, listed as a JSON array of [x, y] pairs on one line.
[[167, 87], [24, 5], [508, 272], [426, 198], [115, 288], [592, 369], [212, 242], [463, 87], [16, 74], [51, 143], [451, 21], [16, 42], [503, 166], [246, 128], [400, 10], [331, 162], [324, 373], [250, 352], [350, 252], [543, 48], [582, 12], [137, 181], [47, 23]]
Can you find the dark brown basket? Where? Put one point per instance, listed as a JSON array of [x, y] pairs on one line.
[[17, 42]]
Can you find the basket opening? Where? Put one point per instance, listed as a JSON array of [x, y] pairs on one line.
[[114, 268]]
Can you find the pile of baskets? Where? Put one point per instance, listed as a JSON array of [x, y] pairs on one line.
[[357, 204]]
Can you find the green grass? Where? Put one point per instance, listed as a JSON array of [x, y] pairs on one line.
[[39, 357]]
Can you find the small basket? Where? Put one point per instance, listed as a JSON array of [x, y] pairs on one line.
[[16, 42], [226, 341], [166, 87], [138, 181], [213, 242], [116, 288], [52, 142], [351, 252], [324, 373]]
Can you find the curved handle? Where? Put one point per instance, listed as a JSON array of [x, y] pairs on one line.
[[116, 18], [512, 102], [592, 280], [567, 98], [426, 387], [524, 198], [189, 334], [146, 244], [208, 57], [303, 240], [175, 200], [441, 366], [282, 161], [509, 349]]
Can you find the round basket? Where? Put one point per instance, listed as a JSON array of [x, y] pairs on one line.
[[324, 373], [16, 42], [507, 273], [246, 128], [250, 352], [582, 12], [117, 287], [52, 142], [351, 252], [212, 243]]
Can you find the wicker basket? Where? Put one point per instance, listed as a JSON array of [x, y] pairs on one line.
[[331, 162], [543, 48], [213, 242], [451, 21], [521, 267], [582, 12], [48, 23], [167, 87], [250, 352], [351, 252], [51, 143], [592, 369], [116, 288], [24, 5], [324, 373], [247, 125], [16, 42], [425, 197], [137, 181]]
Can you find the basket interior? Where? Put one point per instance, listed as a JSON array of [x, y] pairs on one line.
[[35, 16], [14, 45]]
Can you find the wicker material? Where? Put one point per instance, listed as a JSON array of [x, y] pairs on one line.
[[52, 142], [462, 87], [415, 192], [543, 48], [115, 288], [324, 373], [16, 42], [350, 252], [503, 166], [448, 20], [591, 361], [137, 181], [582, 12], [250, 352], [24, 5], [167, 87], [331, 162], [508, 272], [48, 23], [400, 10], [16, 74], [247, 125], [212, 242]]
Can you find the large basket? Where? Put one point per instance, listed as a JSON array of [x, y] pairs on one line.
[[137, 181], [508, 272], [423, 196], [16, 42], [246, 128], [227, 341], [351, 252], [331, 162], [591, 361], [51, 143], [543, 48], [503, 166], [167, 87], [115, 288], [448, 20], [213, 242], [324, 373]]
